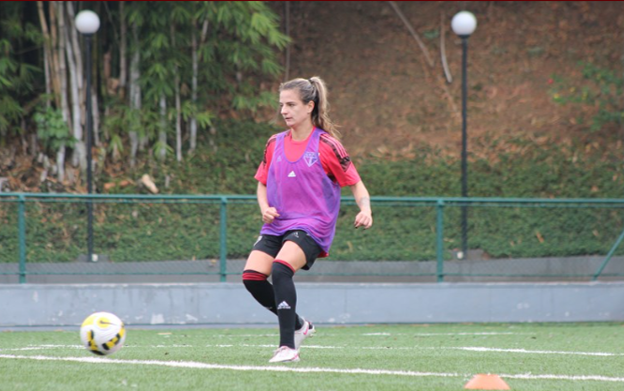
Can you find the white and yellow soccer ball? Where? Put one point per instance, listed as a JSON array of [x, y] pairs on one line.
[[102, 333]]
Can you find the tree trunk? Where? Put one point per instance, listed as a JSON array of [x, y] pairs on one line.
[[95, 116], [178, 104], [162, 134], [56, 24], [79, 155], [23, 140], [47, 61], [47, 56], [122, 51], [59, 53], [195, 81], [193, 121], [135, 93], [52, 84], [48, 79], [143, 141], [60, 163], [75, 42], [178, 119]]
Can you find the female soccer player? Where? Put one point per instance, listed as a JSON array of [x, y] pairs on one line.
[[299, 183]]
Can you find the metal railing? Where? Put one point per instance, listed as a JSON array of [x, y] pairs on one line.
[[418, 237]]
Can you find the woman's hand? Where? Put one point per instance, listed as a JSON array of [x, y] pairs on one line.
[[362, 199], [364, 219], [269, 214]]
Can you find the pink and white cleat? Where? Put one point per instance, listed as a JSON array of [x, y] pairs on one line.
[[285, 354], [307, 330]]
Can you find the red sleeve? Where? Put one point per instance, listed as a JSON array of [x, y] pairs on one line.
[[263, 169], [336, 161]]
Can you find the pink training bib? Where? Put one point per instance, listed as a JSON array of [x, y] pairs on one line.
[[304, 196]]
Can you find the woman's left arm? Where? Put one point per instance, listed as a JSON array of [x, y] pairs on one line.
[[362, 198]]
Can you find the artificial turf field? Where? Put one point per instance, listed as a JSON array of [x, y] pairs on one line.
[[562, 356]]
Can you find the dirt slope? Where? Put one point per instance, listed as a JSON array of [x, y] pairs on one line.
[[391, 103]]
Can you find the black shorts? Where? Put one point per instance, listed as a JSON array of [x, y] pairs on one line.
[[272, 244]]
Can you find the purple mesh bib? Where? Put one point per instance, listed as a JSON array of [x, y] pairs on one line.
[[302, 193]]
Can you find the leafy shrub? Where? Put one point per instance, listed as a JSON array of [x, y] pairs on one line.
[[601, 93], [131, 231]]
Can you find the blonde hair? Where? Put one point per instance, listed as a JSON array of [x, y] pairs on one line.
[[314, 89]]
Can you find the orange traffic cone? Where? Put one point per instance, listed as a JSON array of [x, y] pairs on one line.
[[486, 382]]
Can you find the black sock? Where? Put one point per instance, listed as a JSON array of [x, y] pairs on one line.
[[286, 300], [262, 290]]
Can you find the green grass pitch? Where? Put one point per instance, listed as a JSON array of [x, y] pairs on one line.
[[531, 357]]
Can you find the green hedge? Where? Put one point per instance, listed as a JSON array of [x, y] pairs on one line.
[[56, 232]]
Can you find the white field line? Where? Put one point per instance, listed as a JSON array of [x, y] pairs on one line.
[[49, 347], [524, 351], [440, 334], [467, 348], [382, 334], [42, 347], [329, 347], [529, 376], [199, 365]]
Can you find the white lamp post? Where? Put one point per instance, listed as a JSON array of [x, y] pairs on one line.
[[464, 24], [88, 23]]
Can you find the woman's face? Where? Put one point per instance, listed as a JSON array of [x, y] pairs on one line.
[[293, 110]]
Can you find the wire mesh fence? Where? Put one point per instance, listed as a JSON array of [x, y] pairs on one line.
[[412, 239]]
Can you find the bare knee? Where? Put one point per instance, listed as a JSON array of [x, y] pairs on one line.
[[260, 262]]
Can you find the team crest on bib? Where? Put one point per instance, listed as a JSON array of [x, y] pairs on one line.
[[310, 158]]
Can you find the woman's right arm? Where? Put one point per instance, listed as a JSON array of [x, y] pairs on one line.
[[268, 212]]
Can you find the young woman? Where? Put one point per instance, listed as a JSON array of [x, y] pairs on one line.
[[299, 183]]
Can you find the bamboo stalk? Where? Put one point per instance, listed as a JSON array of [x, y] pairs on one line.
[[123, 72], [52, 86], [178, 104], [47, 55], [194, 77], [75, 42], [74, 87], [135, 94]]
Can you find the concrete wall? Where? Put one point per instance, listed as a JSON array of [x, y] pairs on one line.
[[324, 303]]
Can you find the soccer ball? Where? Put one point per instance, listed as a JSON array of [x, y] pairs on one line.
[[102, 333]]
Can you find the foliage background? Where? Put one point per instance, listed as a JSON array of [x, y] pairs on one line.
[[544, 116]]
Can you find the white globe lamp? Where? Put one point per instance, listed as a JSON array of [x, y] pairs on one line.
[[87, 22], [464, 23]]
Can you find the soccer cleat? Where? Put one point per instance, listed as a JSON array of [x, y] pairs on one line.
[[285, 354], [307, 330]]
